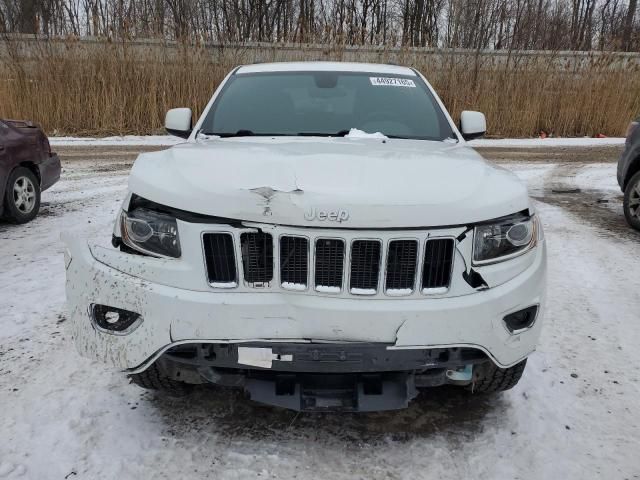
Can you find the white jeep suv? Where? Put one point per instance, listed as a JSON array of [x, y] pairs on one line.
[[324, 239]]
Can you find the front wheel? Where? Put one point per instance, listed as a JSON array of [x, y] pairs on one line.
[[631, 203], [22, 197], [487, 378], [154, 379]]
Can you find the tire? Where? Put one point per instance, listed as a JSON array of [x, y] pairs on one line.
[[488, 378], [22, 197], [154, 379], [631, 202]]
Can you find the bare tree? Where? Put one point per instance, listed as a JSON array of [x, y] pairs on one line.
[[628, 25], [472, 24]]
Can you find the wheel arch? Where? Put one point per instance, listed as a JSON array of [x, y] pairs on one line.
[[32, 167]]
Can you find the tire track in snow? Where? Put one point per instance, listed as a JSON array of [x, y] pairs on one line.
[[589, 203]]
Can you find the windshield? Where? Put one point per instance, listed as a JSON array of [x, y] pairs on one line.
[[326, 104]]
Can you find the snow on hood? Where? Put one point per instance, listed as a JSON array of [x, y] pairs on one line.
[[329, 182], [355, 133]]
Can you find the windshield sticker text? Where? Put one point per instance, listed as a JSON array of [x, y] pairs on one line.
[[391, 82]]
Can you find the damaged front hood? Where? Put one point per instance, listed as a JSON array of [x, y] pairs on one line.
[[329, 182]]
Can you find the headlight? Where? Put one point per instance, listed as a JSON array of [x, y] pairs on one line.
[[150, 232], [507, 238]]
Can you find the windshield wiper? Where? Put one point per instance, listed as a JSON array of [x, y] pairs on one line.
[[250, 133], [341, 133], [245, 133], [239, 133]]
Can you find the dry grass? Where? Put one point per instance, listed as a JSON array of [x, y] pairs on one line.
[[537, 94], [115, 90]]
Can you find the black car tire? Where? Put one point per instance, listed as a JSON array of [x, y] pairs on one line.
[[631, 196], [22, 196], [154, 379], [487, 378]]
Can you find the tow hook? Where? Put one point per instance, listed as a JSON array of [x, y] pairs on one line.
[[460, 374]]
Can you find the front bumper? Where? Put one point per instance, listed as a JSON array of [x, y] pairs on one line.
[[175, 316]]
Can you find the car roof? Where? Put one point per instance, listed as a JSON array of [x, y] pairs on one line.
[[326, 67]]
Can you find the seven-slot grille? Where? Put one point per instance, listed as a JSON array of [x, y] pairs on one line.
[[320, 263]]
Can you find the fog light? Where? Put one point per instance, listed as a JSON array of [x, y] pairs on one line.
[[114, 320], [521, 320]]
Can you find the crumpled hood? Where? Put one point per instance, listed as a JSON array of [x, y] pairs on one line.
[[329, 182]]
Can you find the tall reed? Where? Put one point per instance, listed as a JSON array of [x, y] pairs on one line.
[[116, 89]]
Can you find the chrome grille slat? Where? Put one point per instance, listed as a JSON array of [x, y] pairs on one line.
[[294, 261], [329, 263], [257, 257], [438, 260], [365, 266], [220, 259], [402, 258]]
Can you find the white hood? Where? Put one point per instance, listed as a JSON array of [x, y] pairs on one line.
[[378, 183]]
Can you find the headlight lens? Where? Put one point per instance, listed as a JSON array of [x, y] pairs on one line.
[[151, 232], [505, 239]]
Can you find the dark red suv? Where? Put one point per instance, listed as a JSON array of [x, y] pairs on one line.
[[27, 167]]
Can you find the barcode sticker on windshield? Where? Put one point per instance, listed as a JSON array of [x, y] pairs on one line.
[[391, 82]]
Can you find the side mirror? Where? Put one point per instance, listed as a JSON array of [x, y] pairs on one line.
[[177, 122], [472, 124]]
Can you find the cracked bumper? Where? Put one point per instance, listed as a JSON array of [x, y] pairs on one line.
[[174, 316]]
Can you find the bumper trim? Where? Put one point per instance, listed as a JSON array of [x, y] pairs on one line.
[[319, 357]]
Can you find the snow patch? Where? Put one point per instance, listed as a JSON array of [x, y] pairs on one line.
[[327, 289], [398, 292], [294, 286], [63, 413], [434, 291], [546, 142], [363, 291], [355, 133], [126, 140], [224, 284]]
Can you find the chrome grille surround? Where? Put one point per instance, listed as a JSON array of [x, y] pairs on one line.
[[348, 237]]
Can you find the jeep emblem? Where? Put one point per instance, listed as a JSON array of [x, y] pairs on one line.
[[330, 215]]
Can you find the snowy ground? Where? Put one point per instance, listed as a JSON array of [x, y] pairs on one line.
[[573, 416]]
